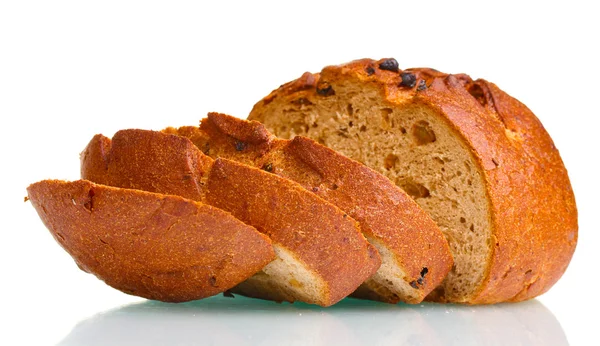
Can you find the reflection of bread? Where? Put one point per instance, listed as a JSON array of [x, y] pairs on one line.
[[242, 321], [151, 245], [321, 254], [477, 160], [415, 255]]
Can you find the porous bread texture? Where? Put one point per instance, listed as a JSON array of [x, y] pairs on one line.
[[285, 279], [150, 245], [415, 255], [478, 161], [418, 152], [324, 246]]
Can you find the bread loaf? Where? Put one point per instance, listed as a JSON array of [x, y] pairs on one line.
[[321, 255], [151, 245], [477, 160], [415, 255]]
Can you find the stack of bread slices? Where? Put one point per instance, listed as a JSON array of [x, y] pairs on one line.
[[363, 180]]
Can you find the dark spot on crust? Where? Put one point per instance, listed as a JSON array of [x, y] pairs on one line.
[[477, 92], [213, 281], [409, 80], [240, 146], [89, 205], [315, 189], [268, 167], [420, 281], [334, 187], [495, 162], [206, 148], [25, 199], [370, 70], [422, 85], [389, 64], [345, 216], [325, 89]]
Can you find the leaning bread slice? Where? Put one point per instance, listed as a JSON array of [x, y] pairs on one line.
[[147, 244], [477, 160], [415, 255], [321, 254]]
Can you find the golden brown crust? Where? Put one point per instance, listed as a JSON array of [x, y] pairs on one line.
[[533, 207], [168, 164], [384, 211], [151, 245], [282, 209], [324, 237]]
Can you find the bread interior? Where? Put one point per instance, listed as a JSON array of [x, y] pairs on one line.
[[285, 279], [414, 147]]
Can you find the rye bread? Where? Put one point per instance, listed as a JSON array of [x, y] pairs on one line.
[[476, 159]]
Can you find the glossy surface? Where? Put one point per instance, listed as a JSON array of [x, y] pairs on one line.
[[243, 321]]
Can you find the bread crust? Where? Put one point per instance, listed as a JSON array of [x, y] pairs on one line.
[[151, 245], [324, 238], [385, 212], [533, 211]]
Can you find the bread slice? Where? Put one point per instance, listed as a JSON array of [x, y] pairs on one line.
[[415, 254], [151, 245], [477, 160], [321, 254]]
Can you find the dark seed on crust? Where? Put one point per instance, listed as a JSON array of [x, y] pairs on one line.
[[420, 281], [422, 85], [414, 285], [389, 64], [424, 272], [408, 79], [370, 70], [268, 167], [324, 89], [240, 146]]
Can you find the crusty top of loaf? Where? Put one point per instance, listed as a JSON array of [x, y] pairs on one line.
[[533, 206]]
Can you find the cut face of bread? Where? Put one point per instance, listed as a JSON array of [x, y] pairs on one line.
[[151, 245], [422, 155], [415, 255], [324, 257], [474, 158]]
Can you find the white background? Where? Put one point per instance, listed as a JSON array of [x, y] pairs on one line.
[[71, 69]]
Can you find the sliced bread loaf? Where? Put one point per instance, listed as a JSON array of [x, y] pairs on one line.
[[477, 160], [415, 255], [150, 245], [321, 254]]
